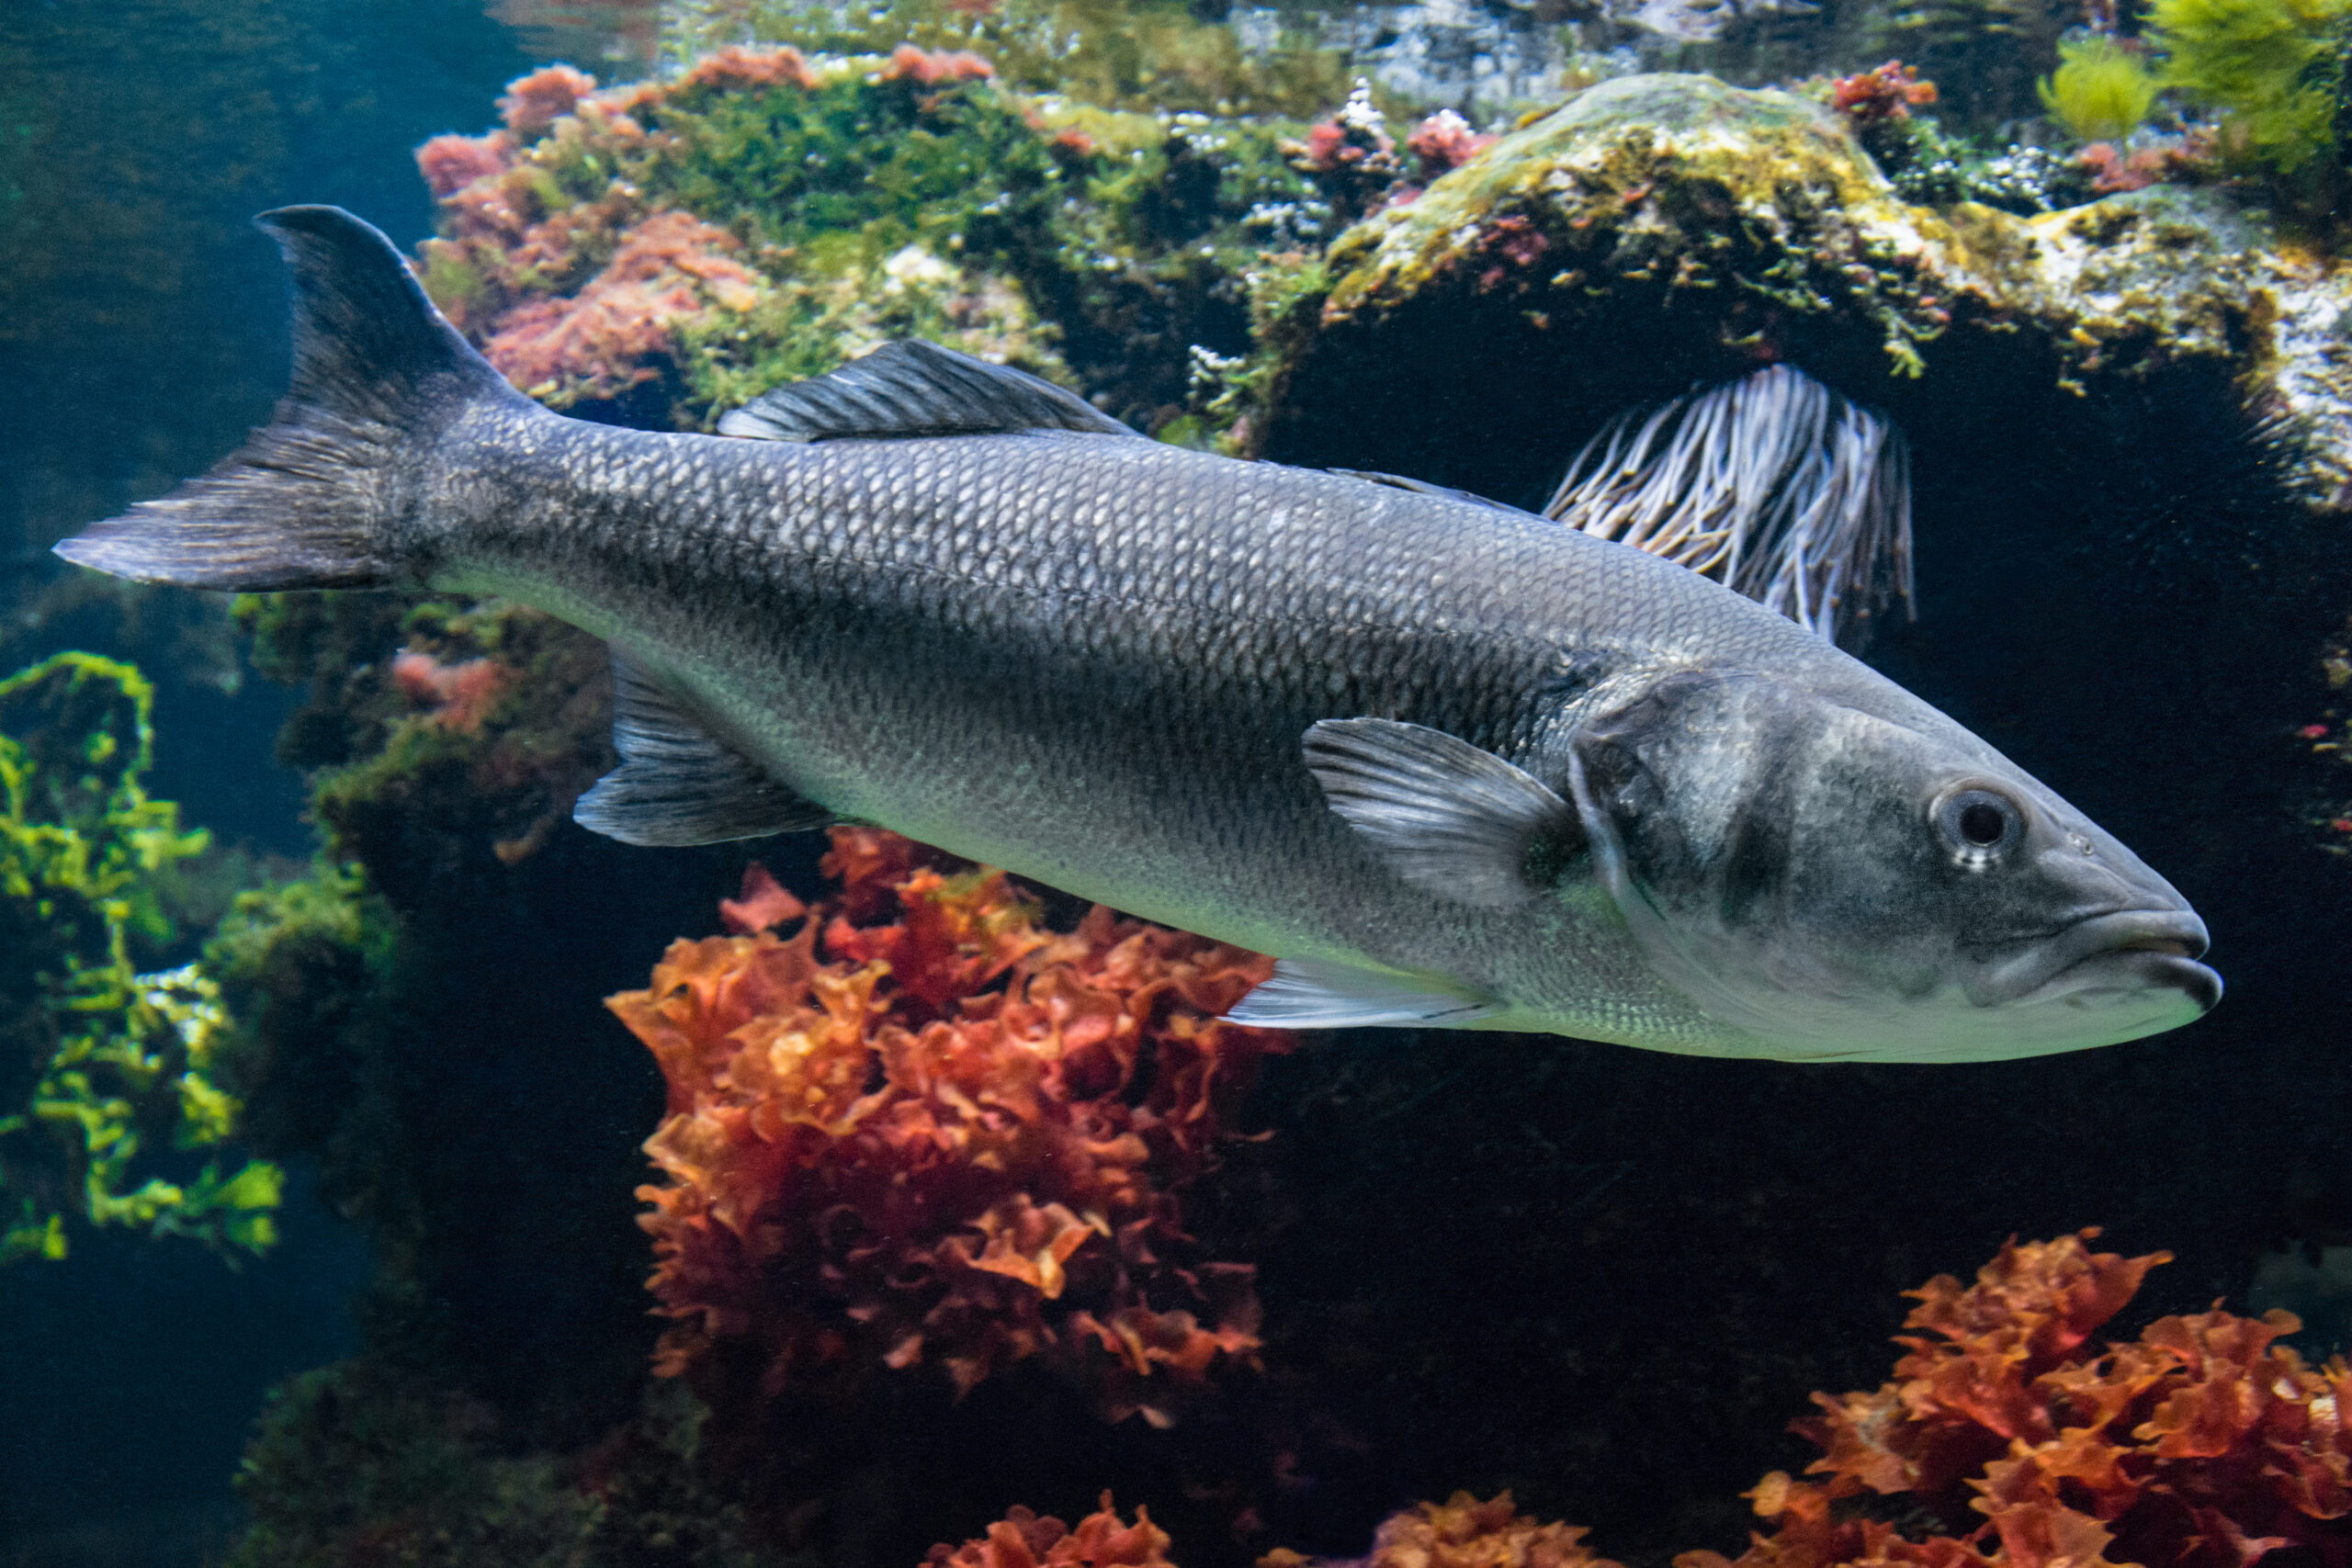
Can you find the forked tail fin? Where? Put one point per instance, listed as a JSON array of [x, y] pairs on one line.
[[320, 497]]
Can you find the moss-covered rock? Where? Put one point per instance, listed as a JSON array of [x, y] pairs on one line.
[[369, 1463], [1657, 231], [658, 253]]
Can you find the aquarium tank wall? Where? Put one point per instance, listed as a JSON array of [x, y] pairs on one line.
[[1024, 784]]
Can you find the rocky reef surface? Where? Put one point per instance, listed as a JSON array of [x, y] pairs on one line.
[[1660, 229]]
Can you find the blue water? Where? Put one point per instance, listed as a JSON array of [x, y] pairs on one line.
[[143, 335]]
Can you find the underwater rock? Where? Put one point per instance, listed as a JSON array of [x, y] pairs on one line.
[[1658, 231], [372, 1460], [661, 253], [442, 969]]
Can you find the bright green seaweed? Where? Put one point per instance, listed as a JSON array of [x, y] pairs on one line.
[[2101, 91], [2275, 69], [100, 1063]]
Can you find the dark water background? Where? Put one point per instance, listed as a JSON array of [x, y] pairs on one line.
[[141, 333]]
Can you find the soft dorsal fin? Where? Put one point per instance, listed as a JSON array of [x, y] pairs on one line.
[[1423, 487], [912, 387], [677, 783], [1443, 815]]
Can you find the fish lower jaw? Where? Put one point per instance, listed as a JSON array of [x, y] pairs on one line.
[[2119, 950], [2128, 975]]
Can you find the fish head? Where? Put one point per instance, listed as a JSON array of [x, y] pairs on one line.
[[1870, 881]]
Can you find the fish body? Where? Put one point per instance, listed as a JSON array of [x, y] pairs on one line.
[[1452, 763]]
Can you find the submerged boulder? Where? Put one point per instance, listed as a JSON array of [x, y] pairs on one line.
[[1660, 230]]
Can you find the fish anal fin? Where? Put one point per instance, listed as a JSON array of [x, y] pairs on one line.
[[1440, 813], [911, 387], [1314, 993], [678, 785]]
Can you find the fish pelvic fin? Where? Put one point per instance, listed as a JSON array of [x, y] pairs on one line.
[[678, 785], [316, 498], [1315, 993]]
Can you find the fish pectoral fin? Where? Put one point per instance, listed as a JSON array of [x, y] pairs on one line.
[[911, 387], [1443, 815], [1314, 993], [678, 785]]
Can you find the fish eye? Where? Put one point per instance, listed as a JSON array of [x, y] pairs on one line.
[[1979, 825]]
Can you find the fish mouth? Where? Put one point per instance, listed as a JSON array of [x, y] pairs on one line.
[[2111, 958]]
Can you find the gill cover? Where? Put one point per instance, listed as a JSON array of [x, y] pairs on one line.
[[1843, 884]]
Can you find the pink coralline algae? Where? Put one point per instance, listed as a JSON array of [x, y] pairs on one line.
[[2154, 161], [1445, 141], [931, 68], [534, 102], [459, 695], [449, 164], [1891, 92], [1510, 243], [736, 66], [615, 333], [1351, 157]]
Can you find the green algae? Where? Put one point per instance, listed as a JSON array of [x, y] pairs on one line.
[[864, 162], [2275, 69], [367, 1462], [106, 1063], [2101, 91]]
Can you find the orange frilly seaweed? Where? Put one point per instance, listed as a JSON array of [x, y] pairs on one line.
[[2202, 1444], [958, 1137], [1022, 1540], [1463, 1532], [1891, 92]]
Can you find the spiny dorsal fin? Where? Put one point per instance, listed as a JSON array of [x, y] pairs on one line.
[[912, 387], [677, 784], [1313, 993], [1442, 814]]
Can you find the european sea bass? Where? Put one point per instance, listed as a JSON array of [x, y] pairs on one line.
[[1453, 764]]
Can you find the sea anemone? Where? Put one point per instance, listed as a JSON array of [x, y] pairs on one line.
[[1774, 485]]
